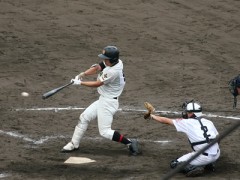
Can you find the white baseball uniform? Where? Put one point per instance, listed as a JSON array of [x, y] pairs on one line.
[[193, 129], [106, 106]]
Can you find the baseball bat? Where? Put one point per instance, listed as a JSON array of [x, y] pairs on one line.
[[54, 91]]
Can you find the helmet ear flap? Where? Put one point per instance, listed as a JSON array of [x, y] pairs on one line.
[[114, 60], [184, 115], [111, 53], [184, 107]]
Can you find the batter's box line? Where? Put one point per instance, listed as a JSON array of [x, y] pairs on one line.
[[48, 138], [56, 109]]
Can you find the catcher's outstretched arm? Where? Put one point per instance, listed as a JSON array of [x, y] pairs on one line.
[[163, 120]]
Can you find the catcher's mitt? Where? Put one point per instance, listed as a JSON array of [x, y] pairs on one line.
[[150, 110]]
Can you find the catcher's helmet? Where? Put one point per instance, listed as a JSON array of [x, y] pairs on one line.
[[193, 107], [111, 53]]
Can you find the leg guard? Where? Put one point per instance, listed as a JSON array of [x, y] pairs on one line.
[[80, 129], [189, 170], [193, 171], [210, 167], [74, 144], [174, 163], [77, 136]]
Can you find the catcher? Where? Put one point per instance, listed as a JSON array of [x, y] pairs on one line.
[[199, 131]]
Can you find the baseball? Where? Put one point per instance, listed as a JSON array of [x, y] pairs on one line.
[[25, 94]]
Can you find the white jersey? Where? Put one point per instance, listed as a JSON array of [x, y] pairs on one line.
[[192, 128], [113, 79]]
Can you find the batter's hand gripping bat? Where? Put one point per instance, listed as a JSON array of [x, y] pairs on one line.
[[54, 91]]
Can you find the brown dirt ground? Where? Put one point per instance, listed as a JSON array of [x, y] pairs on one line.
[[172, 51]]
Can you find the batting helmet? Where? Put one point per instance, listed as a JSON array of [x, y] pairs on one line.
[[192, 107], [111, 53]]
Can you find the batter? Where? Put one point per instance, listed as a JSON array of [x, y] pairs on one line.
[[110, 84]]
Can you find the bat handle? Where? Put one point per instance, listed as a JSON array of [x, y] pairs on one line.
[[70, 83]]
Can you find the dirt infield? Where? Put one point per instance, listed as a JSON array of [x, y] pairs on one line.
[[172, 51]]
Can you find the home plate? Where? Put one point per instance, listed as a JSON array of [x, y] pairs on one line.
[[78, 160]]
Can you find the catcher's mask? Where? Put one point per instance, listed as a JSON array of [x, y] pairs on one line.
[[233, 85], [111, 53], [191, 106]]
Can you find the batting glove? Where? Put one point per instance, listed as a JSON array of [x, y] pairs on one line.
[[76, 81], [77, 77], [80, 76]]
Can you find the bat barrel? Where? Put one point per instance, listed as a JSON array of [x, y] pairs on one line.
[[54, 91], [47, 95]]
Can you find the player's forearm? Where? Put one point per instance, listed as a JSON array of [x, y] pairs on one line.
[[92, 70], [91, 83], [162, 119]]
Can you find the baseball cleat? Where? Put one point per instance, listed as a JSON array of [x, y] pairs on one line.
[[210, 167], [69, 148], [195, 172], [134, 147]]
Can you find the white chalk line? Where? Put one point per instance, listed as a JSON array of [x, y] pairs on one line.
[[44, 139], [3, 175], [56, 109]]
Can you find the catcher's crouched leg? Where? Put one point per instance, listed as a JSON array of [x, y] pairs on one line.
[[189, 170], [210, 167]]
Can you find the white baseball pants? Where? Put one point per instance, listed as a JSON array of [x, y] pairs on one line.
[[103, 110], [201, 160]]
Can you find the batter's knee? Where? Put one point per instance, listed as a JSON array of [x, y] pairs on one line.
[[83, 122], [83, 118], [103, 133], [106, 133]]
